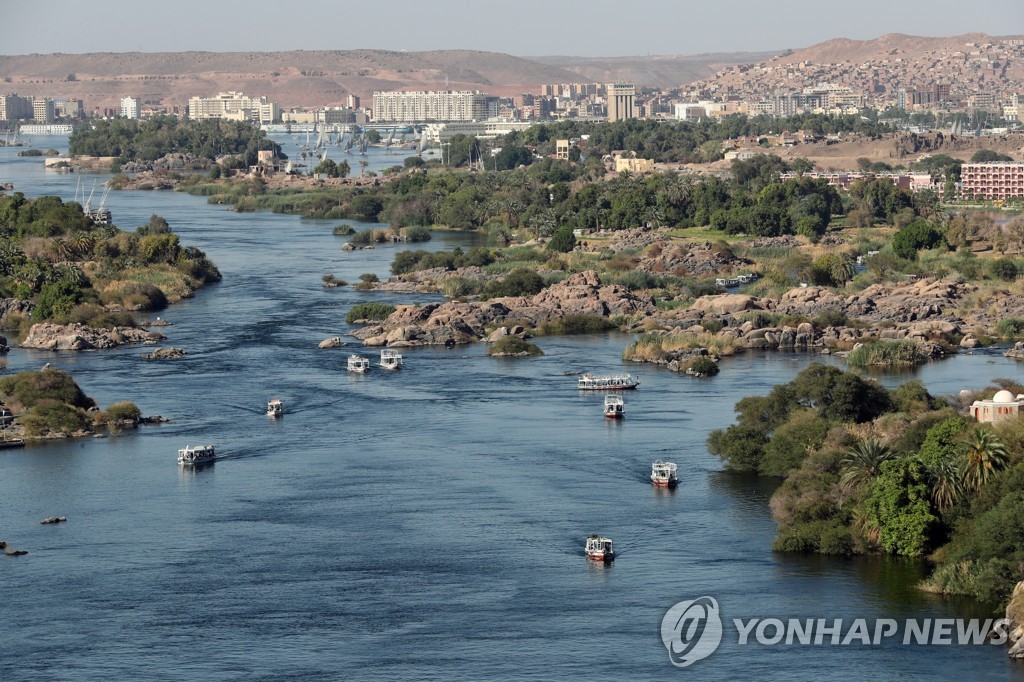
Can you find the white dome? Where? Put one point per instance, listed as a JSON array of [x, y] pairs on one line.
[[1003, 397]]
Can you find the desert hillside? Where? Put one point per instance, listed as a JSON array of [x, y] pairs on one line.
[[318, 78]]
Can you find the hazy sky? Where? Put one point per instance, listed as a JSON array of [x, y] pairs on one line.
[[519, 27]]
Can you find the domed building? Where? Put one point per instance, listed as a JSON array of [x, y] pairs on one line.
[[1002, 406]]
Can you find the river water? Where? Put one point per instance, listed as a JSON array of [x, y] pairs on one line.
[[423, 524]]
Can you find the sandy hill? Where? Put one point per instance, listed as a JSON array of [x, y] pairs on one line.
[[317, 78], [884, 47], [663, 71], [290, 78]]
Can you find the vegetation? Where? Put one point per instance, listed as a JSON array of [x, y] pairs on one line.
[[52, 254], [151, 139], [49, 402], [886, 354], [896, 471], [369, 311], [513, 346]]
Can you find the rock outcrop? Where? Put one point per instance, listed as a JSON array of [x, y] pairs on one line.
[[75, 336], [170, 353], [333, 342], [54, 519], [457, 322]]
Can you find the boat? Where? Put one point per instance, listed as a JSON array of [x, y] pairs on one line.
[[390, 359], [359, 364], [608, 382], [196, 454], [599, 548], [614, 407], [275, 408], [664, 474]]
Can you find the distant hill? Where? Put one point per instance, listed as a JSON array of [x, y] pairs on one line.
[[319, 78], [294, 78], [662, 71]]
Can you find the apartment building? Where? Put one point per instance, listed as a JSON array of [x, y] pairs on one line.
[[15, 108], [430, 106], [992, 180], [129, 107], [234, 106]]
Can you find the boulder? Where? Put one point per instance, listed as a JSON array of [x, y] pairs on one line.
[[75, 336], [726, 303], [333, 342], [54, 519], [169, 353]]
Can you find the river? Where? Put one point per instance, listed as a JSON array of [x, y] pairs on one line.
[[423, 524]]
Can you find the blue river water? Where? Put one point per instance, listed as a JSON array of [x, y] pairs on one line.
[[423, 524]]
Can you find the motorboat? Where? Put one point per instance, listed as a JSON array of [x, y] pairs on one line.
[[196, 454], [664, 474], [608, 382], [390, 359], [614, 407], [599, 548], [275, 408], [358, 364]]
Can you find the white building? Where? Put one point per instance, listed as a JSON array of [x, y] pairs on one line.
[[429, 106], [129, 107], [234, 106], [1002, 406], [689, 111], [485, 130]]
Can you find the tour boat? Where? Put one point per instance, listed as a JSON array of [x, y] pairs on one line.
[[390, 359], [275, 408], [599, 548], [357, 363], [608, 382], [196, 454], [614, 407], [664, 474]]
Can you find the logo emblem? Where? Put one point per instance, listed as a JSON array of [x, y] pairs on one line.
[[691, 631]]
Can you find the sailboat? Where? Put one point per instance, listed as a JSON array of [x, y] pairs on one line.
[[363, 144], [350, 142], [387, 143], [423, 143]]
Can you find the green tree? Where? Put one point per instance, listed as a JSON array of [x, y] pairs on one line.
[[863, 462], [742, 447], [984, 455], [898, 507], [562, 241]]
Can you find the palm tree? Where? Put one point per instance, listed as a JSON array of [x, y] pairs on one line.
[[863, 462], [946, 479], [985, 454]]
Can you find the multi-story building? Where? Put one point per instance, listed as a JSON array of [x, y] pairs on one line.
[[992, 180], [235, 106], [430, 106], [621, 101], [15, 108], [129, 107], [43, 110]]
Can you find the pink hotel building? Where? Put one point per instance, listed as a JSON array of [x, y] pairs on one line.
[[992, 180]]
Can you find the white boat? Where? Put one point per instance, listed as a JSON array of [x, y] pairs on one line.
[[357, 363], [614, 407], [390, 359], [275, 408], [664, 474], [196, 454], [599, 548], [608, 382]]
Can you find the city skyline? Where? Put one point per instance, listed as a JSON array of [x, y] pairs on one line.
[[530, 28]]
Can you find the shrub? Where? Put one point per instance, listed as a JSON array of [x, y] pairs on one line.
[[562, 241], [134, 296], [46, 385], [368, 277], [60, 417], [578, 324], [343, 230], [916, 236], [830, 318], [701, 366], [369, 311], [712, 326], [1011, 327], [416, 234], [513, 345], [886, 354], [124, 411], [1004, 269], [520, 282]]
